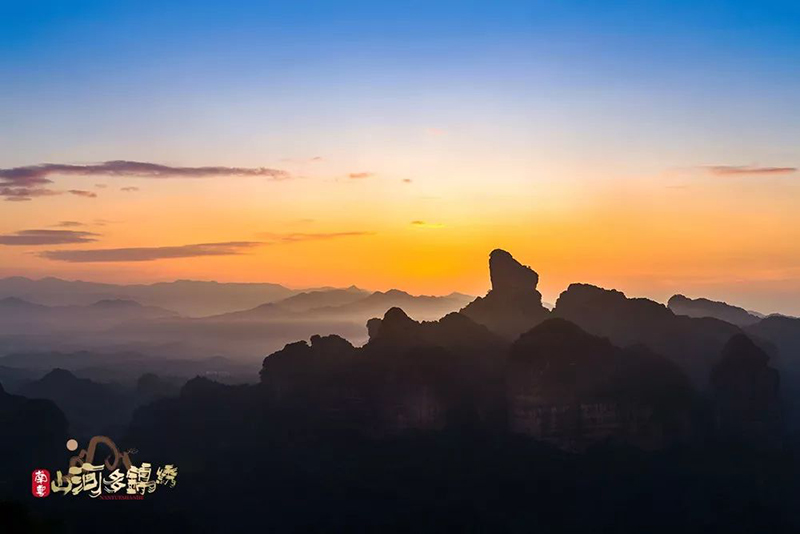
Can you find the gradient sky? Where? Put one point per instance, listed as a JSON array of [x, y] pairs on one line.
[[646, 146]]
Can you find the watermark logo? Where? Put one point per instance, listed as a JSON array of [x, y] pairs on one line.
[[40, 483], [114, 478]]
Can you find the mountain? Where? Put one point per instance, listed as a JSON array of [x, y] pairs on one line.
[[34, 432], [422, 307], [784, 334], [18, 316], [513, 305], [187, 297], [356, 308], [570, 388], [746, 393], [693, 343], [121, 367], [681, 305], [309, 300], [91, 408], [441, 417]]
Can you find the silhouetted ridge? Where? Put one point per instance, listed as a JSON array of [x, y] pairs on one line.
[[693, 343], [701, 307], [455, 330], [513, 305]]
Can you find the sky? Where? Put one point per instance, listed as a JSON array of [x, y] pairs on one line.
[[646, 146]]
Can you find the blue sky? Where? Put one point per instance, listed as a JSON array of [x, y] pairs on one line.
[[528, 125], [124, 70]]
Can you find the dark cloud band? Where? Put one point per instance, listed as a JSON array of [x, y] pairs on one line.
[[47, 237], [150, 253], [26, 183]]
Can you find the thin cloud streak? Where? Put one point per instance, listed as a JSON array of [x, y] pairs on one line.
[[24, 194], [728, 170], [47, 237], [299, 237], [82, 193], [424, 224], [360, 175], [140, 254]]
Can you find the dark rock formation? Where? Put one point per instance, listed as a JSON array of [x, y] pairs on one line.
[[513, 305], [693, 343], [303, 366], [410, 375], [454, 331], [681, 305], [570, 388], [746, 392]]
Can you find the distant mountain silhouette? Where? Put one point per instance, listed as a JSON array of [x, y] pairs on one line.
[[701, 307], [693, 343], [310, 300], [122, 367], [421, 307], [18, 316], [357, 306], [784, 334], [187, 297], [513, 305]]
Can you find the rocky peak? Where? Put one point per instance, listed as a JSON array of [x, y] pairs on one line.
[[513, 305], [510, 276]]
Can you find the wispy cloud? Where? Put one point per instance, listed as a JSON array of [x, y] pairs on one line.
[[726, 170], [47, 237], [129, 189], [407, 180], [360, 175], [82, 193], [68, 224], [424, 224], [139, 254], [23, 194], [26, 183], [298, 237]]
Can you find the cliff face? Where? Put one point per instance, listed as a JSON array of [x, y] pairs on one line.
[[572, 389], [410, 375], [513, 305], [746, 393]]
